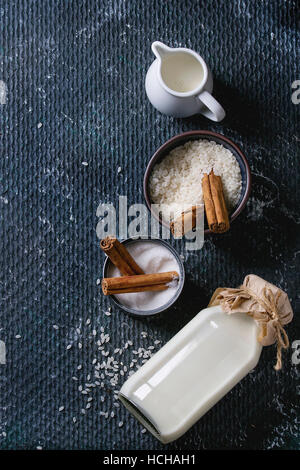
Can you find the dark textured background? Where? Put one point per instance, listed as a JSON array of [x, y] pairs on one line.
[[78, 68]]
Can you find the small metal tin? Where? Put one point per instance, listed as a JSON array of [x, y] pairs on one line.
[[163, 308]]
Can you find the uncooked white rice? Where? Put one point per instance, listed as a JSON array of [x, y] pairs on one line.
[[176, 180]]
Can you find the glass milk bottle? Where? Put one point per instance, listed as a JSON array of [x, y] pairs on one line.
[[192, 372]]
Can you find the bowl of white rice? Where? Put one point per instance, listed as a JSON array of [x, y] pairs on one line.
[[173, 178]]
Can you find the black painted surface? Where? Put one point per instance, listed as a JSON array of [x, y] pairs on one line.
[[78, 68]]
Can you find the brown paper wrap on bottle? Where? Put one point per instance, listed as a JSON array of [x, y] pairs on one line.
[[267, 304]]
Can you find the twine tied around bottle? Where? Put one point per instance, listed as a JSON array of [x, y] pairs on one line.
[[268, 305]]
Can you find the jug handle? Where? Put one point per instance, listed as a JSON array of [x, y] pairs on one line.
[[214, 110]]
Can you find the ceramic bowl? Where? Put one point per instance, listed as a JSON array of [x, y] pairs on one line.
[[197, 135], [163, 308]]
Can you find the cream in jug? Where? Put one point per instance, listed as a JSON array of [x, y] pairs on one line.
[[181, 72], [179, 83], [198, 366]]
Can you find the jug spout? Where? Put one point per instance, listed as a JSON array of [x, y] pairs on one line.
[[159, 49]]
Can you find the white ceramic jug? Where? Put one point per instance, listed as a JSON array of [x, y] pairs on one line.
[[179, 83], [192, 372]]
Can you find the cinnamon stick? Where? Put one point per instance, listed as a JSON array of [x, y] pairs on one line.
[[119, 256], [129, 290], [186, 222], [214, 202], [138, 283]]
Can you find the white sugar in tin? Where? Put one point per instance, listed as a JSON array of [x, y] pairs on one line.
[[152, 258]]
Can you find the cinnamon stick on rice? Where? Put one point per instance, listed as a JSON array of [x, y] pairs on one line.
[[119, 256], [214, 202], [138, 283], [186, 222]]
